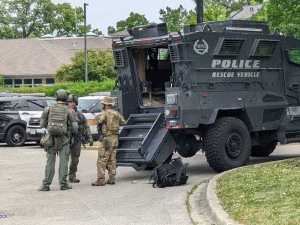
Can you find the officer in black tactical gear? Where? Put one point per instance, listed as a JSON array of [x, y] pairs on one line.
[[82, 137], [59, 122]]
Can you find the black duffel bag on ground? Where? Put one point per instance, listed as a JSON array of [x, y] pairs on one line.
[[170, 174]]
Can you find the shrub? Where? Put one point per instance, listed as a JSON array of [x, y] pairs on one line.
[[100, 66], [78, 88]]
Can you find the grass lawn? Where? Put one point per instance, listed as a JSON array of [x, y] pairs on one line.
[[263, 194]]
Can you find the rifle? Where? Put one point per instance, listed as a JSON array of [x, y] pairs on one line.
[[100, 132]]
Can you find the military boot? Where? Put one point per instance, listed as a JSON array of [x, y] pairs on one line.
[[111, 180], [99, 182], [73, 179], [65, 187], [44, 188]]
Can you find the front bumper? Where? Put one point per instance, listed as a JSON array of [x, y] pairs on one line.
[[35, 133]]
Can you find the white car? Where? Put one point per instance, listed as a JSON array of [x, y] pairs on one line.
[[91, 106]]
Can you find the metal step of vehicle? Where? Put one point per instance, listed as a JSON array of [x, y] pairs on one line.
[[144, 141], [131, 138], [138, 126]]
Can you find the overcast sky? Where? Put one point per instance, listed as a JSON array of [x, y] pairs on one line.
[[103, 13]]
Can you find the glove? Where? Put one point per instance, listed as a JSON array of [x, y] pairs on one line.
[[91, 142]]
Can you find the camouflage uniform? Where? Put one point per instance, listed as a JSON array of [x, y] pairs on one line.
[[76, 141], [111, 121], [60, 146]]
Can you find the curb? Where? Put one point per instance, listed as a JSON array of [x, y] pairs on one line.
[[216, 210], [196, 205]]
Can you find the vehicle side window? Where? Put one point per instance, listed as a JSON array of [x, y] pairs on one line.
[[7, 105], [96, 108], [294, 56], [229, 47], [36, 105], [22, 106], [263, 48]]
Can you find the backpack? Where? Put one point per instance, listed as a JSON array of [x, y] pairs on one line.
[[57, 121], [169, 174]]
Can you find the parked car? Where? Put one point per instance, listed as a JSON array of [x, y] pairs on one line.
[[91, 106], [16, 113]]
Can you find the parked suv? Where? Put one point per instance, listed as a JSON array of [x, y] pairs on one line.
[[16, 112]]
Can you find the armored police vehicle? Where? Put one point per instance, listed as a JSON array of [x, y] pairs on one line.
[[229, 88]]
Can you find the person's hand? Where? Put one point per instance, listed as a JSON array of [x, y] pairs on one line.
[[91, 143]]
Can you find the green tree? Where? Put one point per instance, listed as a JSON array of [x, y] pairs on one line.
[[134, 19], [25, 18], [111, 30], [174, 18], [35, 18], [68, 20], [283, 16], [97, 31], [100, 66]]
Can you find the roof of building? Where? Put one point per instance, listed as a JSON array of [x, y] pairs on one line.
[[247, 12], [26, 57]]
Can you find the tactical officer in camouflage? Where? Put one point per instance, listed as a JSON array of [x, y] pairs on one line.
[[59, 122], [82, 137], [110, 121]]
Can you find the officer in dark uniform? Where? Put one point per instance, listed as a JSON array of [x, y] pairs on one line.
[[82, 137], [59, 122]]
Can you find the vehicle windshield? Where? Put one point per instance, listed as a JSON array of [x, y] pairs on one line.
[[50, 102], [90, 105]]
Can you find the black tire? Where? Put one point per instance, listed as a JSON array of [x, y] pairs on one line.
[[263, 150], [227, 144], [16, 136], [187, 146]]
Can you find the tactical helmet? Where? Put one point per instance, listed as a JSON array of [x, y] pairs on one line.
[[70, 98], [61, 95], [73, 98]]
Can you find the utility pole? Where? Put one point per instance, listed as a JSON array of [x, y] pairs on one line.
[[199, 9], [85, 46]]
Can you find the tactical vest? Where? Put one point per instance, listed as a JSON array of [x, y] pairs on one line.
[[57, 120]]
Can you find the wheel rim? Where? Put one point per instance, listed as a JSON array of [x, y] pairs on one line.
[[18, 137], [234, 145]]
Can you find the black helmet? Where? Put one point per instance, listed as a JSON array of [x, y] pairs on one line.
[[73, 98], [61, 95]]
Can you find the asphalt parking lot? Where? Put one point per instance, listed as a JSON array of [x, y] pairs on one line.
[[131, 201]]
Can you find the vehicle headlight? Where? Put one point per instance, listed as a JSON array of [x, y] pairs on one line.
[[167, 112], [171, 99]]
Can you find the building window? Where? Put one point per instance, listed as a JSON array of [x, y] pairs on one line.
[[229, 47], [37, 81], [294, 56], [263, 48], [8, 82], [28, 82], [50, 81], [18, 83]]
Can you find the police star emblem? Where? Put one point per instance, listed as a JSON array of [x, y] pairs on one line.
[[201, 47]]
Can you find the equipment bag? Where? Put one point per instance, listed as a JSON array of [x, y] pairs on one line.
[[57, 121], [169, 174]]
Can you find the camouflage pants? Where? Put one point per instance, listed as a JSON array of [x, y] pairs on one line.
[[75, 154], [63, 153], [107, 157]]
